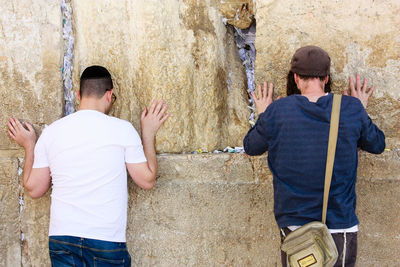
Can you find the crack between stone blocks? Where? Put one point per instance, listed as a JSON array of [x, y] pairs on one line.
[[256, 179], [220, 182], [68, 37], [20, 203], [245, 42], [395, 151]]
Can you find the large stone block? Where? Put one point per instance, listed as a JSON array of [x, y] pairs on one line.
[[10, 248], [179, 51], [217, 214], [360, 36], [180, 224], [384, 167], [30, 63], [35, 227], [378, 209]]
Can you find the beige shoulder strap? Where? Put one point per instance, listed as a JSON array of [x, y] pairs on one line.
[[333, 133]]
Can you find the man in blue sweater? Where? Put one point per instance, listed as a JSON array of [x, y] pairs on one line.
[[295, 132]]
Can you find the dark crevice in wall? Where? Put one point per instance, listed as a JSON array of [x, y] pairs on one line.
[[245, 41], [68, 37], [20, 202]]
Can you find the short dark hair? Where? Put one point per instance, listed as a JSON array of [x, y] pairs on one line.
[[291, 86], [95, 81]]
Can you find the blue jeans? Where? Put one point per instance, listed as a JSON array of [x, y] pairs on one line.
[[82, 252]]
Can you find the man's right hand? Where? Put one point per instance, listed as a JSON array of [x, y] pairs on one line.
[[359, 91], [25, 137], [152, 119], [264, 98]]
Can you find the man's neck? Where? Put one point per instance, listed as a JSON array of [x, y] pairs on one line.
[[313, 90], [89, 104]]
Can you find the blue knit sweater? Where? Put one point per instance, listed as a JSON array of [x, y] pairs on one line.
[[295, 133]]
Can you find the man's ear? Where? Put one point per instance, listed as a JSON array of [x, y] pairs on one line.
[[109, 95], [326, 79], [296, 79], [79, 95]]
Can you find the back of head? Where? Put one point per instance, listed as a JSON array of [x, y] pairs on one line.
[[308, 62], [95, 81], [311, 61]]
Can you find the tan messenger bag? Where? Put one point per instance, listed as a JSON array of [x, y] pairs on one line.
[[312, 244]]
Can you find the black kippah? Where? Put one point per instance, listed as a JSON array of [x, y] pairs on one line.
[[95, 72]]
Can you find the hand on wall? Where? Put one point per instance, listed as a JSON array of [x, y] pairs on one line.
[[264, 98], [152, 119], [359, 91], [24, 136]]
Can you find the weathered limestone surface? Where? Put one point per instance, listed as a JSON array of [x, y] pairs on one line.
[[179, 51], [378, 209], [31, 90], [30, 63], [206, 210], [379, 213], [10, 249], [35, 226], [361, 36]]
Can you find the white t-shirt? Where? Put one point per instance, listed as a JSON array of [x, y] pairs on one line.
[[86, 152]]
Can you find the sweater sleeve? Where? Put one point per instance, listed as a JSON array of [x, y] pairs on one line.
[[372, 139], [256, 140]]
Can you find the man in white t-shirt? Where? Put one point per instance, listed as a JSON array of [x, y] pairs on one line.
[[85, 156]]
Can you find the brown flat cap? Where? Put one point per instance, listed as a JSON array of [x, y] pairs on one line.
[[310, 61]]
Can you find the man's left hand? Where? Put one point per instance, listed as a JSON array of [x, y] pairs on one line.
[[359, 91]]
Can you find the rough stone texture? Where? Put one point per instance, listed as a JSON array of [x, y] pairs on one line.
[[206, 210], [35, 226], [10, 249], [385, 167], [30, 63], [239, 13], [378, 208], [179, 51], [30, 89], [360, 36], [379, 213]]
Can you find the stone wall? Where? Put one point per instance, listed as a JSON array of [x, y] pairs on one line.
[[360, 36], [30, 89], [179, 51], [208, 209]]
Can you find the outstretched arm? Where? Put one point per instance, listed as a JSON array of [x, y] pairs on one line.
[[36, 181], [372, 139], [255, 142], [144, 174]]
